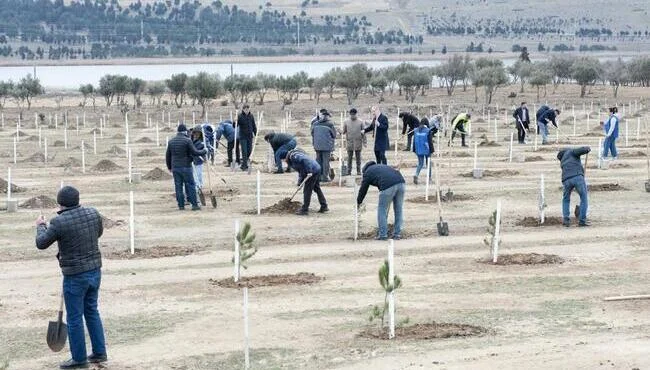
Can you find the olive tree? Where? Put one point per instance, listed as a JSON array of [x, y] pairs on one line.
[[586, 71], [521, 71], [378, 83], [177, 86], [136, 88], [541, 76], [6, 88], [240, 87], [353, 79], [412, 81], [204, 87], [155, 90], [490, 74], [451, 72], [639, 71], [26, 89], [616, 73], [265, 83], [329, 80], [560, 66]]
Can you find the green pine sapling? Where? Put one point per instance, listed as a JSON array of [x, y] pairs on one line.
[[378, 312], [247, 248]]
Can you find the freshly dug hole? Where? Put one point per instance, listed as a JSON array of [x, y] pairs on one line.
[[144, 140], [301, 278], [157, 174], [34, 158], [109, 224], [534, 221], [526, 259], [153, 252], [40, 201], [535, 158], [433, 330]]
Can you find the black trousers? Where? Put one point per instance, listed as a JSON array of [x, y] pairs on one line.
[[357, 154], [521, 132], [461, 129], [312, 185], [238, 151], [380, 157], [231, 147], [409, 139]]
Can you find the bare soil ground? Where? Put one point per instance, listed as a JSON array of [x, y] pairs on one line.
[[161, 310]]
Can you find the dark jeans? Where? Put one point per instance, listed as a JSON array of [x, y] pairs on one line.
[[81, 292], [521, 133], [312, 185], [245, 152], [238, 151], [282, 151], [357, 155], [577, 182], [409, 139], [184, 177], [323, 159], [610, 147], [461, 129], [380, 157], [231, 147]]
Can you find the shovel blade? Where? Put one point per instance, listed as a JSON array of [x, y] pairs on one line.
[[57, 335], [213, 200], [443, 229], [201, 197], [576, 211]]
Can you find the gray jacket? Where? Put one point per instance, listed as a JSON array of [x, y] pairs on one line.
[[77, 231], [323, 135], [570, 161], [354, 131]]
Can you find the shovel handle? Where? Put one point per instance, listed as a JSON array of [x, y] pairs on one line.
[[61, 307]]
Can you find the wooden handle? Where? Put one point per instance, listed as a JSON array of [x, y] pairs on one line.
[[61, 304]]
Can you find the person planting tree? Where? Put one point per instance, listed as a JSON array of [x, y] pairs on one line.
[[281, 144], [77, 230], [409, 124], [197, 161], [573, 177], [544, 116], [391, 187], [309, 177], [227, 130], [460, 124]]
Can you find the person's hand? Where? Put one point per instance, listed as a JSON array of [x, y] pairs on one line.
[[40, 220]]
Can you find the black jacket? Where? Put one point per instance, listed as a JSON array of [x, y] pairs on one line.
[[181, 152], [278, 139], [409, 121], [246, 124], [570, 161], [77, 231], [381, 176], [522, 115]]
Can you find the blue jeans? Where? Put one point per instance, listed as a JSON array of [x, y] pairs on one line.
[[184, 177], [282, 152], [610, 147], [323, 159], [394, 194], [577, 182], [422, 161], [81, 292], [198, 175], [543, 129]]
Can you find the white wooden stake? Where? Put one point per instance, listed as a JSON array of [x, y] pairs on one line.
[[542, 200], [510, 150], [236, 272], [131, 223], [496, 134], [157, 135], [638, 128], [247, 361], [341, 167], [600, 153], [35, 119], [574, 125], [126, 136], [356, 212], [497, 229], [396, 133], [259, 194], [83, 157], [475, 155], [84, 119], [8, 184], [17, 138], [15, 151], [45, 148], [128, 153], [65, 137], [426, 187], [627, 133], [95, 142], [391, 295], [193, 118], [39, 137]]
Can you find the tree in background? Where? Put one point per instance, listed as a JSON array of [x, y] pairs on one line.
[[639, 71], [541, 76], [616, 73], [451, 72], [353, 79], [177, 86], [329, 80], [107, 88], [289, 88], [586, 71], [524, 56], [560, 66], [413, 80], [6, 89], [265, 82], [137, 86], [204, 87], [521, 71], [378, 83], [26, 89], [88, 91], [490, 74], [155, 90]]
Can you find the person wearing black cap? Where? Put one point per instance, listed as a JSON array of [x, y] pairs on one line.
[[392, 187], [410, 123], [522, 119], [353, 129], [281, 144], [77, 230], [179, 156], [323, 136], [247, 131]]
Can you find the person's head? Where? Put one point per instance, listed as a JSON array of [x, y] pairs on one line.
[[353, 113], [401, 114], [523, 104], [469, 115], [181, 129], [269, 136], [613, 110], [246, 108], [557, 112], [291, 153], [368, 165], [197, 133], [324, 114], [424, 122], [376, 111], [68, 197]]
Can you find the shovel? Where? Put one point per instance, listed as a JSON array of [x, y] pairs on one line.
[[300, 186], [443, 227], [213, 198], [57, 331], [450, 194], [576, 211]]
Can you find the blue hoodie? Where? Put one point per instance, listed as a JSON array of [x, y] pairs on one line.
[[226, 129], [570, 161], [304, 165]]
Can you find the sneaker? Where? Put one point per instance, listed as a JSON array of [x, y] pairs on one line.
[[95, 359], [196, 208], [72, 364], [381, 238], [302, 212], [397, 237], [566, 224], [323, 209], [278, 171], [415, 180], [181, 208], [584, 224]]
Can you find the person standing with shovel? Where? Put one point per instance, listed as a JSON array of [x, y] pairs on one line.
[[77, 230], [573, 177]]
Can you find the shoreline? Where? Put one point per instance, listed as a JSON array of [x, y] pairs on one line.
[[294, 59]]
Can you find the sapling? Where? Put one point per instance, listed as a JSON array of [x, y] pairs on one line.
[[247, 247], [380, 312], [492, 237]]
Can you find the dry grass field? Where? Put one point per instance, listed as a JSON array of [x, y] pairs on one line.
[[162, 308]]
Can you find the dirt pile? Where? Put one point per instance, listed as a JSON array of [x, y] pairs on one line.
[[30, 138], [20, 133], [427, 331], [59, 143], [638, 153], [605, 187], [282, 207], [490, 173], [14, 188], [534, 221], [301, 278], [422, 233], [106, 165], [535, 158], [157, 174], [116, 150], [527, 259], [109, 224], [147, 153], [118, 136], [35, 158], [153, 252], [443, 198], [462, 155], [619, 165], [144, 140], [71, 162], [38, 202]]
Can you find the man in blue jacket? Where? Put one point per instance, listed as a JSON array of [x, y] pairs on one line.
[[379, 126], [281, 144], [573, 177], [308, 171], [227, 130], [77, 230], [611, 134], [323, 136], [546, 115], [179, 156], [391, 186]]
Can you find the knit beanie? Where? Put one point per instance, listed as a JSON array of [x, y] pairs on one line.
[[182, 128], [68, 197]]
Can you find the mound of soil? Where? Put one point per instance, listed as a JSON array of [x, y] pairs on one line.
[[638, 153], [38, 202], [301, 278], [14, 188], [443, 198], [109, 224], [619, 165], [115, 150], [157, 174], [489, 173], [462, 155], [153, 252], [30, 138], [433, 330], [535, 158], [527, 259], [534, 221], [423, 233], [21, 133], [144, 140], [282, 207], [106, 165], [59, 143], [118, 136], [593, 134], [146, 153], [488, 143], [605, 187], [71, 162], [36, 157]]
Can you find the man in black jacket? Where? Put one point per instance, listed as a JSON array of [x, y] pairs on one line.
[[522, 120], [77, 230], [179, 156], [281, 144], [409, 122], [391, 186], [573, 177], [247, 131]]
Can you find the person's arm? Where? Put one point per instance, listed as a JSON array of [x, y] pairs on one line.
[[168, 158], [370, 127], [581, 151], [333, 132], [195, 152], [46, 236], [404, 125], [363, 190], [383, 123], [517, 115], [100, 230], [254, 125]]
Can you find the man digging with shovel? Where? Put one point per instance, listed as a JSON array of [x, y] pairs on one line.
[[77, 230], [391, 187], [573, 176], [309, 177]]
